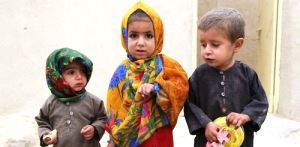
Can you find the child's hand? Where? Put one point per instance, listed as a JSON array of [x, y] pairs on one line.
[[110, 142], [211, 132], [50, 137], [146, 89], [88, 132], [49, 141], [237, 119]]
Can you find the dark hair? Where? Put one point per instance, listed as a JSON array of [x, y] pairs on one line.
[[228, 20], [138, 15]]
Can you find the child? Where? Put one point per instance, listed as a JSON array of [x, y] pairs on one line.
[[76, 115], [223, 86], [148, 89]]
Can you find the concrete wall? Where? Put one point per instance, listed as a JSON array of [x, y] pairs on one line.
[[32, 29], [266, 53], [289, 89]]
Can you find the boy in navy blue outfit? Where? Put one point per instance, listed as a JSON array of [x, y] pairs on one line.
[[223, 86]]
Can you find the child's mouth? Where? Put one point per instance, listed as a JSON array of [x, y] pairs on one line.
[[209, 60], [141, 51], [79, 85]]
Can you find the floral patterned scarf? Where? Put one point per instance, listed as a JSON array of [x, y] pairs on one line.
[[132, 119], [56, 62]]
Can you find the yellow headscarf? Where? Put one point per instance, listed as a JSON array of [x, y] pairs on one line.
[[157, 25]]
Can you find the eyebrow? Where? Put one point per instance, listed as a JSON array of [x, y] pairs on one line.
[[70, 67], [141, 32]]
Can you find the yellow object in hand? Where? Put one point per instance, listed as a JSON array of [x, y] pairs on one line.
[[236, 136]]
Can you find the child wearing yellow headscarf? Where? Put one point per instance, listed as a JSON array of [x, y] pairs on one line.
[[148, 89]]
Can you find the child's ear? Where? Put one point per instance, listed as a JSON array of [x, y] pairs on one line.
[[238, 44]]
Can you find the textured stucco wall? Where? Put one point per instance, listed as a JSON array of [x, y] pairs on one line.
[[289, 89], [266, 53], [32, 29]]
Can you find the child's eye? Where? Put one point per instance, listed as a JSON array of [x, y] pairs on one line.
[[83, 70], [149, 36], [215, 45], [203, 45], [133, 35], [71, 72]]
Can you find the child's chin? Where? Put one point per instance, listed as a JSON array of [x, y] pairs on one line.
[[77, 89], [141, 57], [211, 64]]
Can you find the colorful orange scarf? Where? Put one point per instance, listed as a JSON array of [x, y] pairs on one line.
[[131, 119]]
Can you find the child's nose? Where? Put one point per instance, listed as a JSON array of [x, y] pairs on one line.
[[79, 75], [141, 41], [207, 49]]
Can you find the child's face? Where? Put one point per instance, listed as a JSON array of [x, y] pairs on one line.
[[74, 75], [141, 41], [216, 48]]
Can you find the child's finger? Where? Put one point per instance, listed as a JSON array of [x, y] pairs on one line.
[[88, 136], [235, 121], [149, 89], [144, 90], [89, 130], [213, 139], [47, 142], [53, 141], [84, 129], [239, 123], [139, 89], [229, 118], [50, 141]]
